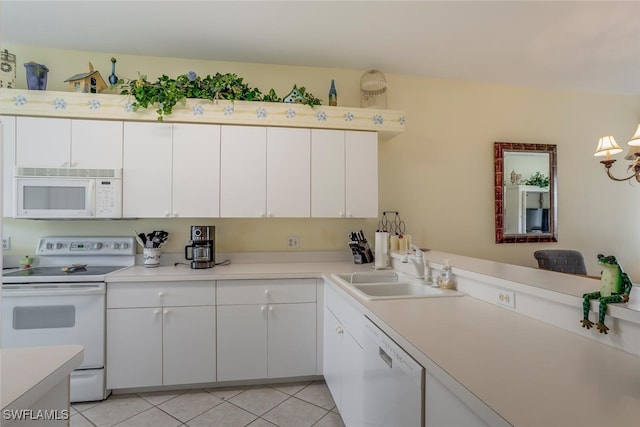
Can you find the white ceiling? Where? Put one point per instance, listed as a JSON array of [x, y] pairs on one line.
[[576, 45]]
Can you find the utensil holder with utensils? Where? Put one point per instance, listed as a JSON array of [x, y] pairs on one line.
[[151, 257]]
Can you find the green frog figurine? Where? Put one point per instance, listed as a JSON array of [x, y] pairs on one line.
[[615, 286]]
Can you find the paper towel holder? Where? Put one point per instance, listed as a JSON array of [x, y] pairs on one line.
[[382, 260]]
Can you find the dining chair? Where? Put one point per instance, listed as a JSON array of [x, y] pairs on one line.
[[562, 260]]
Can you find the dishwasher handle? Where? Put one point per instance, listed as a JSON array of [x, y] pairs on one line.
[[392, 354], [385, 357]]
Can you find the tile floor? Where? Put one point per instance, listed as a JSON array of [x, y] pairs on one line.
[[301, 404]]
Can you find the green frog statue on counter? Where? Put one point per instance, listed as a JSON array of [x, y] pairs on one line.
[[615, 286]]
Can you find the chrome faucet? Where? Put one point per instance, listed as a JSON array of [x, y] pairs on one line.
[[417, 260]]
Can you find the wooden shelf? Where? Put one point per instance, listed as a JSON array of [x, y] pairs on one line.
[[20, 102]]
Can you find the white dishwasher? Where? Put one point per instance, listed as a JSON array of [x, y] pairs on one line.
[[393, 392]]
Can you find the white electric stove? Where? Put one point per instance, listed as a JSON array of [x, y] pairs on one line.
[[61, 300]]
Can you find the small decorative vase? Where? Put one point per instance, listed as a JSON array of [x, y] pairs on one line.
[[36, 76], [113, 79]]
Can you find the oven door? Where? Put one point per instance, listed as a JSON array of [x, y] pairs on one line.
[[56, 314]]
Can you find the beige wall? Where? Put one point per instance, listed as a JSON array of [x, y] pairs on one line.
[[438, 174]]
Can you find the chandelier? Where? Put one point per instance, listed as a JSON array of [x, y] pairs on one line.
[[607, 146]]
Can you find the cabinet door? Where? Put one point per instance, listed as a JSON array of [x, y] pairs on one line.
[[361, 174], [188, 346], [332, 356], [242, 342], [146, 174], [352, 383], [288, 172], [243, 171], [8, 163], [292, 340], [96, 144], [134, 347], [327, 173], [43, 142], [196, 171]]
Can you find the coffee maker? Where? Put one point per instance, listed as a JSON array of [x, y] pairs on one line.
[[202, 246]]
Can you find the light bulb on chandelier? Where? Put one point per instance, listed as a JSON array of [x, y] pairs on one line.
[[607, 146]]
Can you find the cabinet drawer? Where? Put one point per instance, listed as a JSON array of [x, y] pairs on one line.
[[266, 291], [347, 313], [159, 294]]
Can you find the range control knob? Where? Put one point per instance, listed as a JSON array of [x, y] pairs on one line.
[[59, 245], [124, 246], [116, 246]]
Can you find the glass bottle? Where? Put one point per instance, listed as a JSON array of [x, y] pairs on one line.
[[333, 95], [113, 79]]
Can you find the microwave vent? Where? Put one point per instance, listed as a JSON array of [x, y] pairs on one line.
[[68, 172]]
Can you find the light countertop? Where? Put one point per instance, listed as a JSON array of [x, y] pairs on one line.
[[28, 373], [528, 372], [291, 270]]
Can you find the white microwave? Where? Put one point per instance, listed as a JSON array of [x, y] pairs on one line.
[[68, 193]]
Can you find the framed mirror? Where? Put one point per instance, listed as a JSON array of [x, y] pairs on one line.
[[525, 192]]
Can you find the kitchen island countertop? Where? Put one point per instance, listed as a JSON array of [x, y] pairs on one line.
[[28, 374]]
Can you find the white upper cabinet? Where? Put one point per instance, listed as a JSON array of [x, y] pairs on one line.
[[327, 173], [243, 168], [96, 144], [146, 174], [344, 174], [196, 171], [43, 142], [171, 170], [361, 157], [8, 163], [47, 142], [265, 172], [288, 172]]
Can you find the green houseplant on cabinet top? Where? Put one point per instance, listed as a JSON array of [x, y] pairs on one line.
[[165, 92]]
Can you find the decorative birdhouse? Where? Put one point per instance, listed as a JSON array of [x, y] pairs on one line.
[[293, 97], [91, 82]]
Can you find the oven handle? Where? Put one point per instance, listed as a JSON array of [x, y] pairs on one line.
[[8, 293]]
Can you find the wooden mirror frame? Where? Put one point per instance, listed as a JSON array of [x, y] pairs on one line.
[[498, 151]]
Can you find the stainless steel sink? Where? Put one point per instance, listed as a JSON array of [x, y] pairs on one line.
[[390, 285]]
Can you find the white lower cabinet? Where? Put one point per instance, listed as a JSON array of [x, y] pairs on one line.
[[160, 334], [266, 328], [242, 339], [343, 356]]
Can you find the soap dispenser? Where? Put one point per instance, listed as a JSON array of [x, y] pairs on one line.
[[446, 280]]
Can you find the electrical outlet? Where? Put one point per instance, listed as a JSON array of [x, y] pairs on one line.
[[293, 242], [6, 243], [507, 298]]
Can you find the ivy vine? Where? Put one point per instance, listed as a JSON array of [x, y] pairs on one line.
[[165, 93]]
